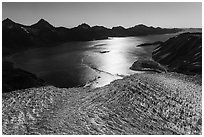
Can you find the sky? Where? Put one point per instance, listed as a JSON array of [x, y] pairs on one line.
[[67, 14]]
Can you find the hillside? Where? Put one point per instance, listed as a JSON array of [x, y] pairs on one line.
[[139, 104], [181, 54]]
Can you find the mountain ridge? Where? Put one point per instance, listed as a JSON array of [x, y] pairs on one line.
[[43, 20], [43, 33], [42, 24]]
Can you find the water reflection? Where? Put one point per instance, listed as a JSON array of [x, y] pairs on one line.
[[121, 55], [86, 63]]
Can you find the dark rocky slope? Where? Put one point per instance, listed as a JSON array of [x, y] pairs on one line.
[[15, 78], [181, 54], [139, 104]]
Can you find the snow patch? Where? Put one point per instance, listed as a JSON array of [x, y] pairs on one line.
[[25, 29]]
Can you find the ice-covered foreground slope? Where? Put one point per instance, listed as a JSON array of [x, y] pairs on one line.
[[139, 104]]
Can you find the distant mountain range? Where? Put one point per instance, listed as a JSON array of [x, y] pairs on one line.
[[17, 37]]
